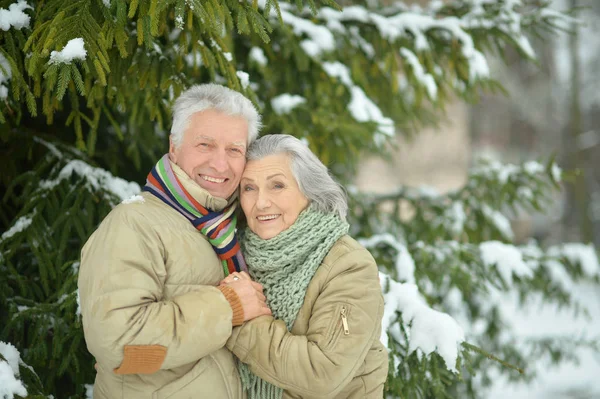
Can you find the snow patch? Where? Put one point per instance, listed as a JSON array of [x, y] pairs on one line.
[[96, 179], [74, 50], [430, 330], [14, 17], [285, 103], [133, 199], [257, 55], [21, 224], [10, 385], [507, 259]]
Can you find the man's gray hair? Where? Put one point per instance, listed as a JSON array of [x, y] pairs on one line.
[[212, 96], [313, 178]]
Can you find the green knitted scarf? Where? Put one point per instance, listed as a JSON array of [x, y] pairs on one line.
[[284, 265]]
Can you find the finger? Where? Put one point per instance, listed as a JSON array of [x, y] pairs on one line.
[[261, 297], [245, 276], [267, 311], [257, 286]]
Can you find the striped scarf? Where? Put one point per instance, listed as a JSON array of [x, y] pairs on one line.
[[218, 227]]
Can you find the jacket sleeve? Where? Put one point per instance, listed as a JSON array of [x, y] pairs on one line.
[[129, 326], [322, 362]]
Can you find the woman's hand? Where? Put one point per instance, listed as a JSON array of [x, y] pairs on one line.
[[250, 294], [234, 277]]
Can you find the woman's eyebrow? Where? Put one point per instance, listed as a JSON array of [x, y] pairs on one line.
[[276, 174]]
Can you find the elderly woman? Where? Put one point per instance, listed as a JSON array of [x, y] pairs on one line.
[[322, 286]]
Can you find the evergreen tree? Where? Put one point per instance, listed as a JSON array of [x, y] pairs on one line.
[[86, 88]]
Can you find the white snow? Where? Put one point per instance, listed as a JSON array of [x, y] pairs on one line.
[[5, 75], [405, 265], [285, 103], [89, 391], [539, 319], [244, 79], [456, 216], [74, 50], [228, 56], [430, 330], [580, 253], [21, 224], [14, 17], [320, 39], [500, 221], [257, 55], [10, 385], [424, 78], [507, 259], [133, 199], [394, 27], [96, 178], [556, 173], [533, 167], [365, 110], [49, 146]]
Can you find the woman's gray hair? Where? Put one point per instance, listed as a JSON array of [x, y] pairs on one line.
[[212, 96], [313, 178]]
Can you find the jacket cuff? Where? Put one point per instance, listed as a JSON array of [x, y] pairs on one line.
[[142, 359], [235, 303]]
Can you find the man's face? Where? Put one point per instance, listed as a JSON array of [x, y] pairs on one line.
[[213, 151]]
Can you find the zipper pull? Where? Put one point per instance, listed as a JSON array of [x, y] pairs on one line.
[[345, 321]]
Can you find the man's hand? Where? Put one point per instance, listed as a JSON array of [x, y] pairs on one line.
[[250, 294]]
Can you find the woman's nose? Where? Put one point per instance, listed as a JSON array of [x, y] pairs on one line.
[[262, 201]]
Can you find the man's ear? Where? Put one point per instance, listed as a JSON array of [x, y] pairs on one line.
[[172, 152]]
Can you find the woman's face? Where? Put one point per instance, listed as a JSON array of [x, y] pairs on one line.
[[270, 196]]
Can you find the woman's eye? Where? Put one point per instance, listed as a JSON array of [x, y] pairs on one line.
[[278, 186], [247, 188]]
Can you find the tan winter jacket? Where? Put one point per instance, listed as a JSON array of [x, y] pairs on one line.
[[152, 315], [333, 350]]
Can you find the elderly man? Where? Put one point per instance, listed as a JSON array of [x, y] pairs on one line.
[[154, 316]]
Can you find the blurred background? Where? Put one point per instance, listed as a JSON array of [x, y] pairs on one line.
[[551, 108]]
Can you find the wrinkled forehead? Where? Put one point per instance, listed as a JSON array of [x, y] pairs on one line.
[[268, 167]]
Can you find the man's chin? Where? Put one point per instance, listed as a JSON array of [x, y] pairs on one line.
[[218, 192]]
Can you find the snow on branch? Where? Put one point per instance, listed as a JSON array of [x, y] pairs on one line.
[[405, 265], [430, 330], [362, 108], [14, 17], [96, 179], [73, 50], [10, 384]]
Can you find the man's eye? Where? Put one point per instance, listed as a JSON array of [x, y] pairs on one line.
[[236, 151]]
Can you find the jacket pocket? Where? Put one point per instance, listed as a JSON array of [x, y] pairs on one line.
[[339, 325], [189, 384]]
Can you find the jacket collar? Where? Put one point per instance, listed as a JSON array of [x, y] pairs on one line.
[[205, 199]]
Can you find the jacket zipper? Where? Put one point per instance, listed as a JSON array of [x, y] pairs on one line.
[[345, 321]]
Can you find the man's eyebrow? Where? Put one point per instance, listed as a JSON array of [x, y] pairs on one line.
[[200, 136], [239, 144]]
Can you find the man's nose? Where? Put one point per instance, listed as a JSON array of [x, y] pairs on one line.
[[219, 161]]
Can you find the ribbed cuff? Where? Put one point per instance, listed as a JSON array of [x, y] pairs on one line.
[[235, 303], [142, 359]]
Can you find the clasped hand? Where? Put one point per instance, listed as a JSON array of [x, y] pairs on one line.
[[250, 294]]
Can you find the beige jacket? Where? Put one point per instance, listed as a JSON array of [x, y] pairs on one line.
[[152, 315], [333, 350]]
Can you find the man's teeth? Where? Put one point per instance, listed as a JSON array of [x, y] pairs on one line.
[[268, 217], [212, 179]]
